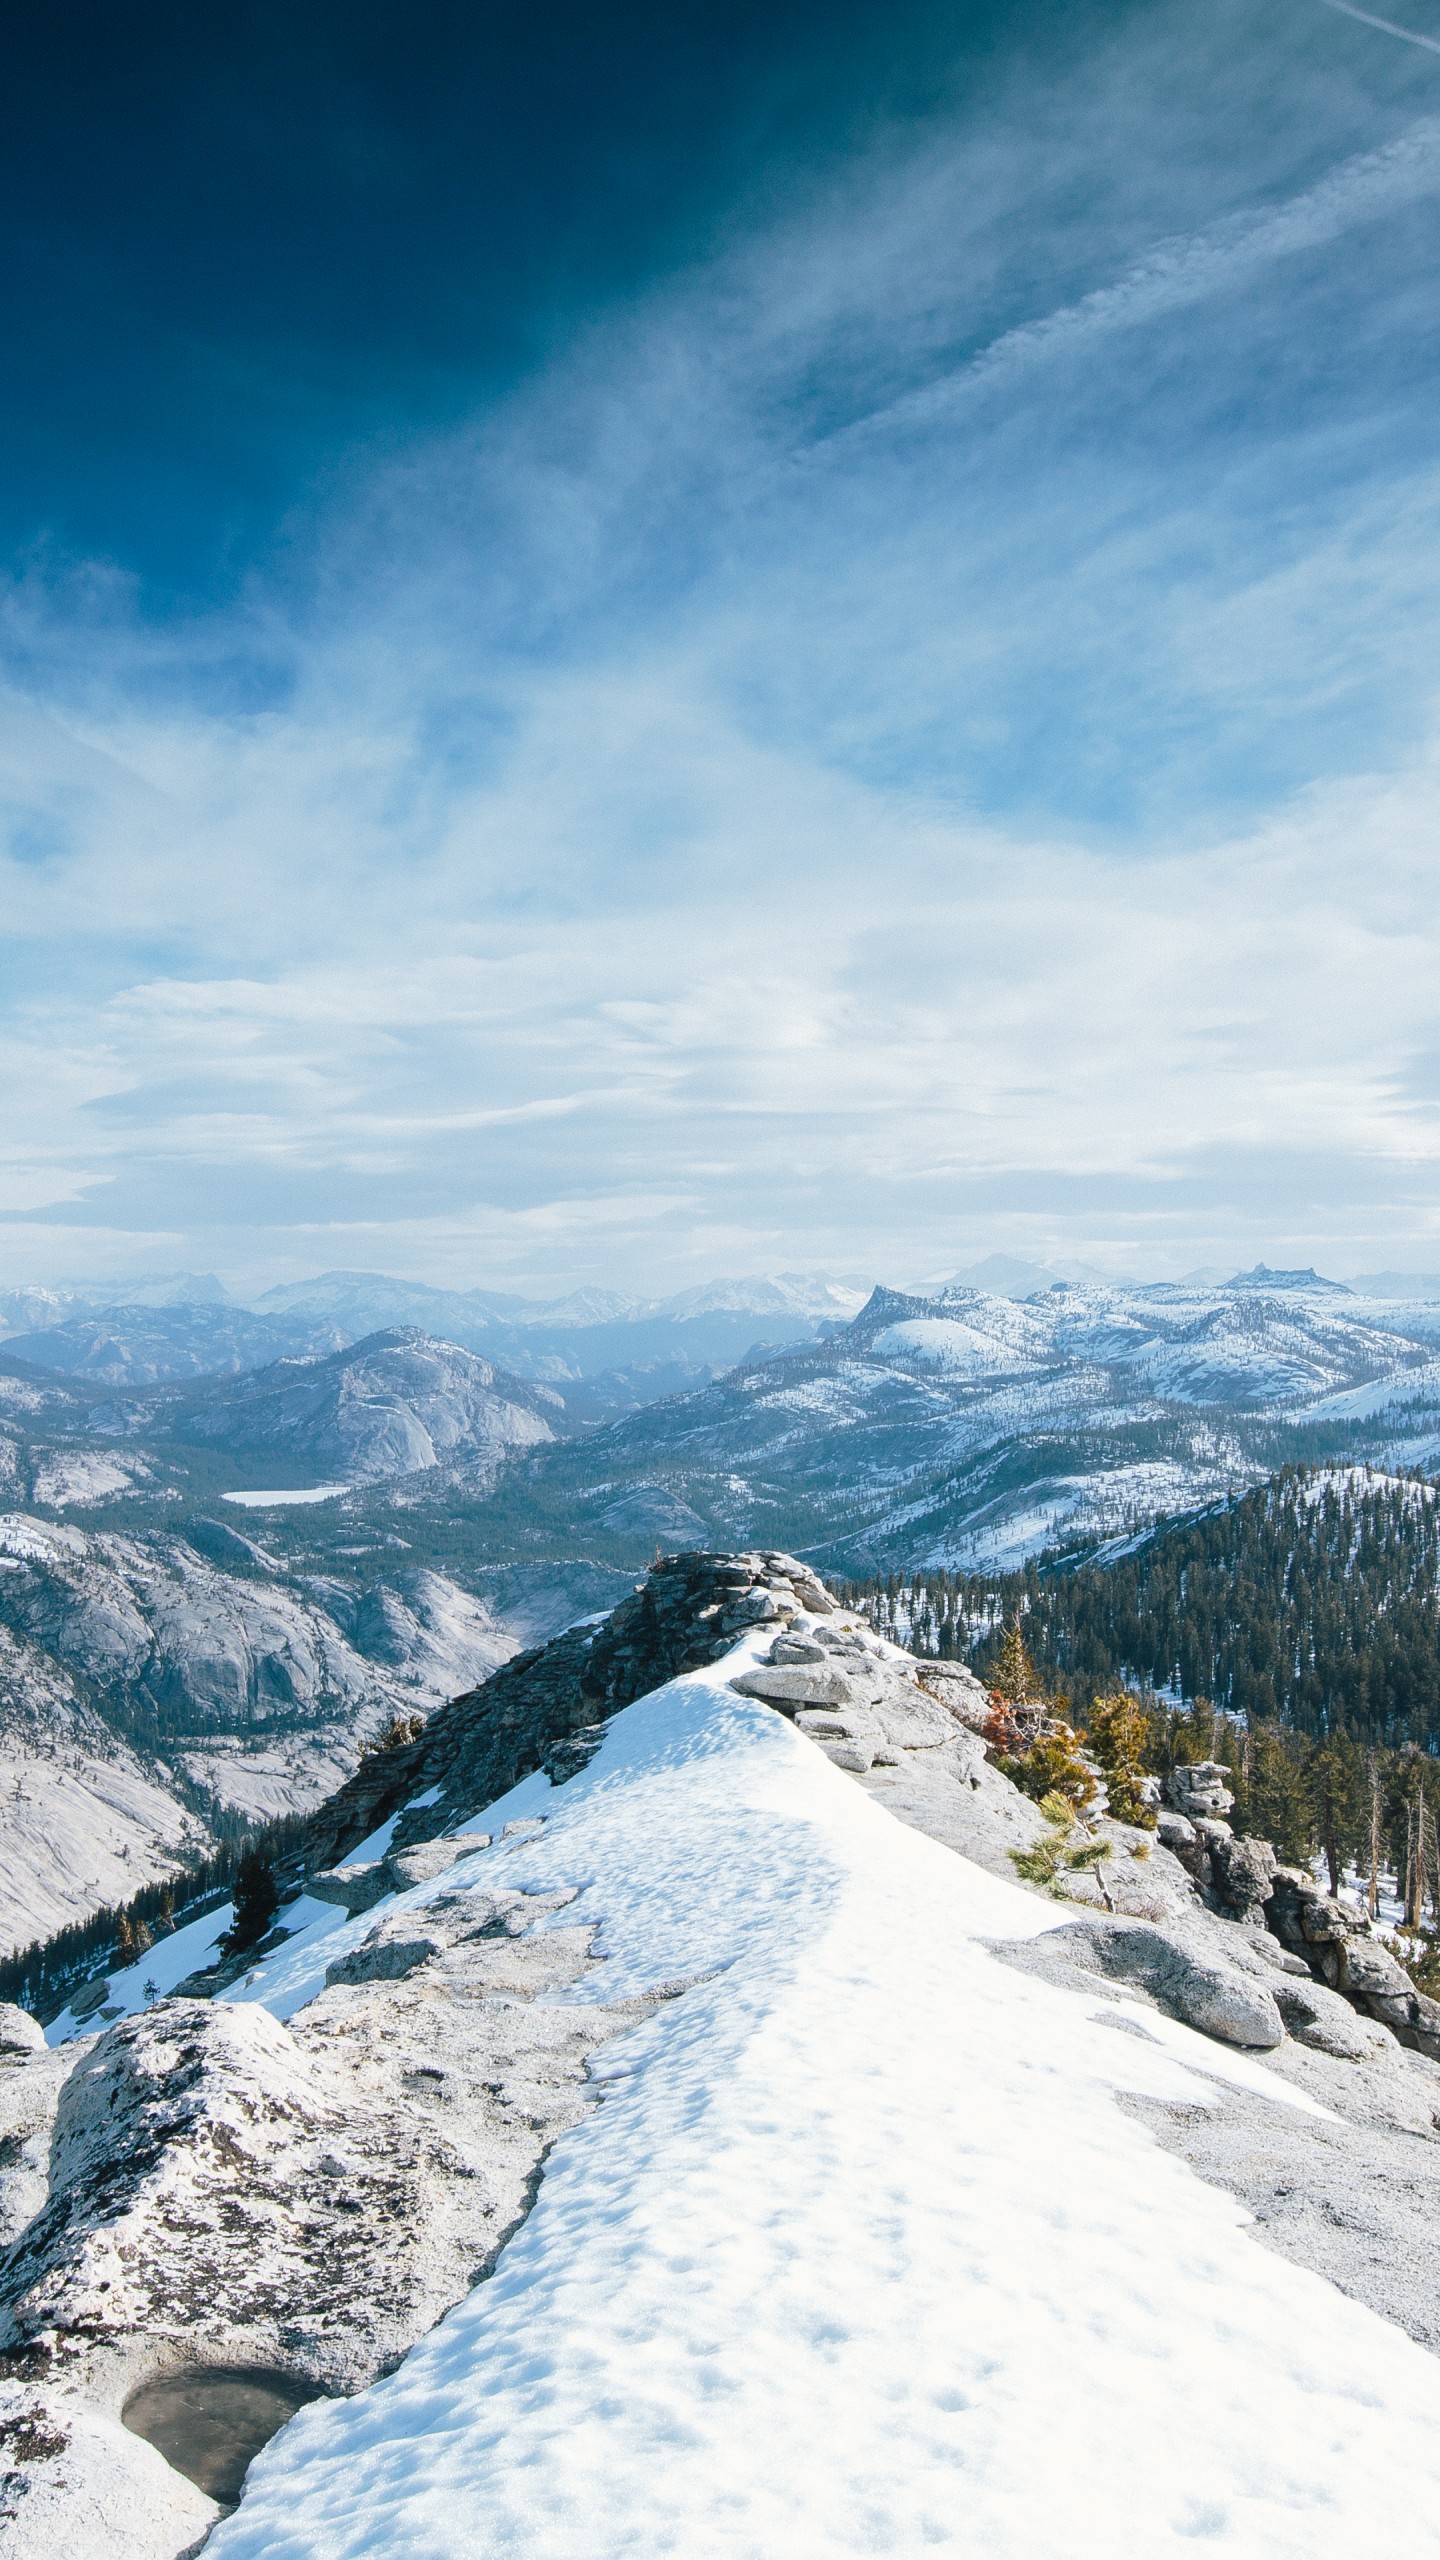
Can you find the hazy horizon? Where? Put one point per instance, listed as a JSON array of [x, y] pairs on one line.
[[199, 1288]]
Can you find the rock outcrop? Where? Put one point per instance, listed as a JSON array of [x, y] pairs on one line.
[[1186, 1978], [224, 2190], [547, 1708], [1337, 1944], [1198, 1791], [858, 1700]]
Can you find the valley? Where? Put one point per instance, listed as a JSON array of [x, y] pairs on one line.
[[215, 1589]]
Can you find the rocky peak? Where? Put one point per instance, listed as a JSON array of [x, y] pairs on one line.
[[547, 1708]]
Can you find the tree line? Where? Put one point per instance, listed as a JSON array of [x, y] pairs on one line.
[[242, 1870], [1292, 1633]]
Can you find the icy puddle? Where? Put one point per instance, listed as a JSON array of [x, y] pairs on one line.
[[211, 2422]]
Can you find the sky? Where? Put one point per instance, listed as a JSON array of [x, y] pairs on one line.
[[643, 644]]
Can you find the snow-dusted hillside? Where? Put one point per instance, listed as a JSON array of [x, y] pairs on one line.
[[621, 1350], [84, 1819], [970, 1427], [140, 1680], [393, 1405], [146, 1346]]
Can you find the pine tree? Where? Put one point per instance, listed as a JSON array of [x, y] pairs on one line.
[[1339, 1792], [1012, 1676], [256, 1901], [1118, 1732]]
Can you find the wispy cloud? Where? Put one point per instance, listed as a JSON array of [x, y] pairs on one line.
[[1178, 274], [916, 735], [1387, 26]]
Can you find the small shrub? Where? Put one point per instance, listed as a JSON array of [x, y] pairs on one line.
[[1057, 1853], [1054, 1764], [401, 1730]]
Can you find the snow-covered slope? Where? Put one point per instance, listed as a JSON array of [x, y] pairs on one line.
[[860, 2253], [970, 1427], [693, 2152]]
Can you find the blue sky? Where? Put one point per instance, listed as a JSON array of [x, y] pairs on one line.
[[630, 650]]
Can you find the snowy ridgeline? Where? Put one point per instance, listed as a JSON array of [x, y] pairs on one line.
[[864, 2250]]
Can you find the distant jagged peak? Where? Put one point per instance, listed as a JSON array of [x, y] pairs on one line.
[[890, 1306], [1262, 1281]]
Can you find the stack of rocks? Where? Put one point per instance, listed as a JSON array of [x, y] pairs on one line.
[[1234, 1876], [1337, 1944], [1242, 1880], [1198, 1791], [863, 1704]]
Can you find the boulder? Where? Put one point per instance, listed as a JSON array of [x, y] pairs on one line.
[[356, 1889], [911, 1721], [1342, 1951], [1244, 1875], [1200, 1789], [1184, 1980], [756, 1609], [792, 1685], [1175, 1831], [1310, 1922], [19, 2032], [959, 1692], [854, 1740], [1320, 2018], [430, 1858], [392, 1951]]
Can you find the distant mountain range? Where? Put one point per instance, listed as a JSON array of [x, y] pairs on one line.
[[607, 1354], [415, 1504], [969, 1427]]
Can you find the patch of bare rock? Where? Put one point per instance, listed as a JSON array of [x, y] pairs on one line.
[[228, 2192]]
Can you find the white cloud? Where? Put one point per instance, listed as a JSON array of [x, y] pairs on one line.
[[687, 828]]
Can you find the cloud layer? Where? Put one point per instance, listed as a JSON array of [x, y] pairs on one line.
[[916, 736]]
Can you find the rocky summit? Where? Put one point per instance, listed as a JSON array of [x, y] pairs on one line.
[[270, 2184]]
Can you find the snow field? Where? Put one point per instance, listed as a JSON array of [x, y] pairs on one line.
[[858, 2254]]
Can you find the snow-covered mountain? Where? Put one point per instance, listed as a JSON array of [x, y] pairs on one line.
[[146, 1679], [131, 1346], [965, 1426], [393, 1405], [607, 1354], [621, 1352], [969, 1426]]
